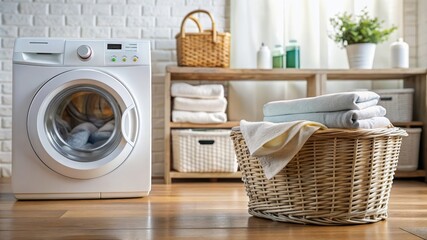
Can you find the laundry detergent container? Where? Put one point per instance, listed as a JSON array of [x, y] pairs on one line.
[[339, 177]]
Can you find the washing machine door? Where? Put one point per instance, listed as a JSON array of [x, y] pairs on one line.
[[83, 123]]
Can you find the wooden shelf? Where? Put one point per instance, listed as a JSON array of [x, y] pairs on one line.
[[316, 80], [373, 74], [194, 125], [408, 124], [228, 74], [410, 174], [237, 123]]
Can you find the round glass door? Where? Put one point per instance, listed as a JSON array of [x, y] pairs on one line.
[[83, 123]]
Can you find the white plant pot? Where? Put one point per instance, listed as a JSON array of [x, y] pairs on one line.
[[361, 55]]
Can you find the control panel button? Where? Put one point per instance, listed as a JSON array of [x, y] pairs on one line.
[[135, 58], [113, 58], [124, 59], [84, 52]]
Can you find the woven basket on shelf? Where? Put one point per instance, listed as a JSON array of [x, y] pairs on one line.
[[339, 177], [203, 150], [207, 48], [398, 103]]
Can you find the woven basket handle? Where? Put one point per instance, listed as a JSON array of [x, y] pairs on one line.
[[189, 16], [196, 21]]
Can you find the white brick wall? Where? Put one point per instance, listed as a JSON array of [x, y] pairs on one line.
[[97, 9], [127, 10], [156, 20]]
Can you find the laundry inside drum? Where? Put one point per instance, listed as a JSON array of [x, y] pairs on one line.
[[85, 123]]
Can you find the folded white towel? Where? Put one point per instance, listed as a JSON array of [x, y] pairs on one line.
[[199, 91], [275, 144], [375, 122], [325, 103], [200, 105], [371, 117], [198, 117]]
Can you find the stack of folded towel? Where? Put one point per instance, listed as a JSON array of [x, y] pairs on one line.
[[198, 104], [339, 110]]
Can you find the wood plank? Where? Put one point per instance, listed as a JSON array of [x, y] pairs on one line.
[[167, 130], [316, 85], [420, 112], [226, 74], [409, 124], [373, 74], [175, 174], [210, 125], [31, 213], [410, 174], [193, 211], [307, 233], [274, 233]]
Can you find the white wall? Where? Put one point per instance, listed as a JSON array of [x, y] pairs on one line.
[[422, 33], [411, 28], [157, 20]]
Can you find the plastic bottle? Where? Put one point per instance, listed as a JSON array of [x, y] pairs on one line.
[[264, 57], [293, 54], [399, 54], [278, 54]]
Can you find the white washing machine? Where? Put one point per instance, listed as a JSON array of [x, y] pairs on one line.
[[81, 119]]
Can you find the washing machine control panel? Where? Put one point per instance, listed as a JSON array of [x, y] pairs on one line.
[[126, 53], [82, 52]]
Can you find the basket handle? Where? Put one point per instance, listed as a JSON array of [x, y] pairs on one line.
[[196, 21], [189, 16], [206, 142]]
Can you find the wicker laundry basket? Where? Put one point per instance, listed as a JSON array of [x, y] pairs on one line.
[[339, 177], [207, 48]]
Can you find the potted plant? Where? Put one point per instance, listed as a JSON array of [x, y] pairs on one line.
[[359, 35]]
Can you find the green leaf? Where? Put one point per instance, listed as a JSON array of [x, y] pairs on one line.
[[349, 29]]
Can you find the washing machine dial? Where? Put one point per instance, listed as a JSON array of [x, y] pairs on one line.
[[84, 52]]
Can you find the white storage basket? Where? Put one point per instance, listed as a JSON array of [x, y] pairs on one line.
[[408, 157], [398, 103], [203, 151]]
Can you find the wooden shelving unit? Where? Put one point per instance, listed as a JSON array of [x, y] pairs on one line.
[[316, 80]]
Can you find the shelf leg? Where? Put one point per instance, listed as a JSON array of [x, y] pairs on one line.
[[420, 112], [167, 131], [316, 85]]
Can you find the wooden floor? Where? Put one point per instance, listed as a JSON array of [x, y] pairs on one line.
[[192, 211]]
